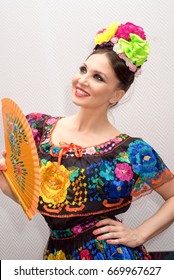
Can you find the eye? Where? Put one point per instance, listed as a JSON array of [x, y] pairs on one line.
[[83, 69], [98, 77]]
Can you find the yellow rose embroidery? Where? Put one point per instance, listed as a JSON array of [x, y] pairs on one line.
[[54, 184], [60, 255]]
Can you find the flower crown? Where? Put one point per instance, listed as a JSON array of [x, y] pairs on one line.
[[128, 41]]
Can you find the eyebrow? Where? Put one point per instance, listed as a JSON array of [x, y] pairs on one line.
[[98, 72]]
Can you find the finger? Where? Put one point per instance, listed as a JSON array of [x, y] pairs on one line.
[[3, 167], [110, 236], [108, 221], [104, 229], [3, 153], [2, 164], [115, 241]]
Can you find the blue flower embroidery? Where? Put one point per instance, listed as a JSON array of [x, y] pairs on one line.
[[145, 161], [107, 170], [117, 189]]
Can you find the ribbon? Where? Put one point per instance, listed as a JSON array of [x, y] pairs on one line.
[[66, 148]]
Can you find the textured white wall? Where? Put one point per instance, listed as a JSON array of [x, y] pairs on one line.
[[42, 44]]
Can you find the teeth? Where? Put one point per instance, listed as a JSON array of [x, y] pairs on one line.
[[81, 92]]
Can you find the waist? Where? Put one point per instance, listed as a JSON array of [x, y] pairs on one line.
[[75, 230], [78, 229]]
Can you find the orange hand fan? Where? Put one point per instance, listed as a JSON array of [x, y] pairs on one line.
[[22, 159]]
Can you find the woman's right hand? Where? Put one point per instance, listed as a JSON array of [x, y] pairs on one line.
[[4, 185]]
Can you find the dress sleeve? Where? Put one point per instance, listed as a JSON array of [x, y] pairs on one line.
[[151, 172], [36, 122]]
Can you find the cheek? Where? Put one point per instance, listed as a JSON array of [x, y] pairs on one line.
[[75, 80]]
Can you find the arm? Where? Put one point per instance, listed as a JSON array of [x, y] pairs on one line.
[[117, 233], [4, 185], [163, 218]]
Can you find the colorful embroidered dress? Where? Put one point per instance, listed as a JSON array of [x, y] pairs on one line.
[[80, 186]]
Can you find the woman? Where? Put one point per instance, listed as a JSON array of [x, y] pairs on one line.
[[90, 171]]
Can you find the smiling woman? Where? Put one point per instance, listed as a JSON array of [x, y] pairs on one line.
[[99, 88], [90, 171]]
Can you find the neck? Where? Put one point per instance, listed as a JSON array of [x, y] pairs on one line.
[[87, 120]]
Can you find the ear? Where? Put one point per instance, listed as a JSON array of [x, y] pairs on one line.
[[118, 94]]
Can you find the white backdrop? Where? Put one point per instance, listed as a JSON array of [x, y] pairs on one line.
[[42, 44]]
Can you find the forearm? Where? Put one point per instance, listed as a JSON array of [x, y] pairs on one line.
[[161, 220], [6, 189]]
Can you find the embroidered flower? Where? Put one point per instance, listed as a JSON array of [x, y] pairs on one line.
[[106, 170], [77, 229], [85, 255], [60, 255], [90, 151], [33, 120], [36, 135], [123, 157], [35, 116], [145, 161], [54, 184], [117, 189], [118, 140], [51, 121], [123, 171]]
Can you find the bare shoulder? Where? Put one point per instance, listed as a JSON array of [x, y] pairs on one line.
[[66, 121]]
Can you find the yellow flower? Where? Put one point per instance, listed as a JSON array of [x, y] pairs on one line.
[[60, 255], [54, 183], [50, 257], [107, 35]]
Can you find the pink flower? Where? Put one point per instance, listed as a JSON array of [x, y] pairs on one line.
[[11, 126], [123, 171], [50, 121], [35, 132], [124, 31], [90, 151], [133, 68], [76, 229], [35, 116], [18, 169], [118, 140], [85, 255], [36, 135]]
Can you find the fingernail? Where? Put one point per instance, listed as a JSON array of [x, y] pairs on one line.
[[99, 238], [3, 167]]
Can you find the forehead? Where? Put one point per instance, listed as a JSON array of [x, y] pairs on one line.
[[99, 62]]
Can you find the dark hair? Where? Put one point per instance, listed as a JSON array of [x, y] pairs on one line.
[[122, 72]]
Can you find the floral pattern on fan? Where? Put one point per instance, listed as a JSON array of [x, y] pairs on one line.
[[16, 136]]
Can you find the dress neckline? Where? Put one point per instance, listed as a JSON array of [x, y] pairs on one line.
[[117, 139]]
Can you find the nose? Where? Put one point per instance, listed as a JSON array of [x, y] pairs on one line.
[[83, 79]]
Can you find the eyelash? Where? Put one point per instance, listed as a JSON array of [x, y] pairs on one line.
[[97, 76]]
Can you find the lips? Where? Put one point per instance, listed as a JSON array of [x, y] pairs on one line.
[[81, 92]]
